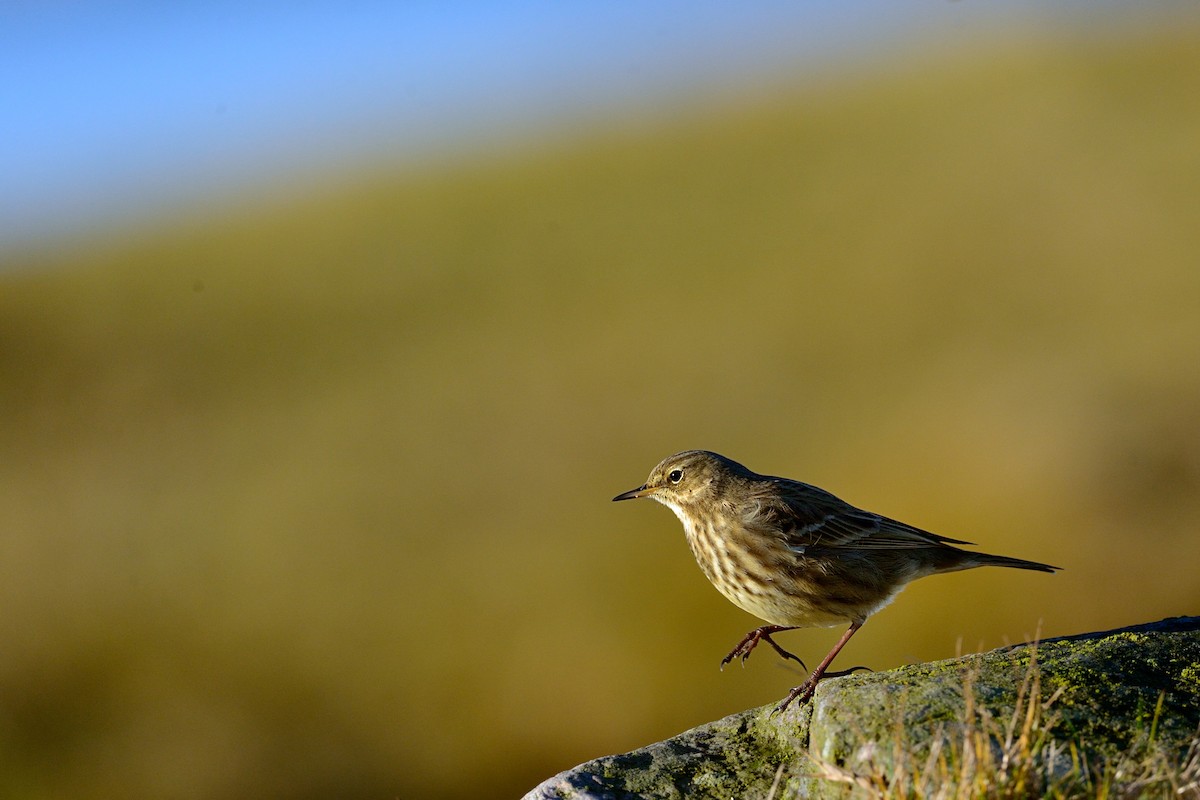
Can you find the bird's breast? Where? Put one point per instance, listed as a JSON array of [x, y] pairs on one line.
[[757, 573]]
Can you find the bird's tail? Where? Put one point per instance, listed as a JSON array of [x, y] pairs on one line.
[[988, 560]]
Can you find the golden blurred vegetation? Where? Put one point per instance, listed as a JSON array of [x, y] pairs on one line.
[[313, 500]]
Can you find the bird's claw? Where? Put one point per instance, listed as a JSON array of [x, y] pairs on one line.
[[841, 673], [804, 692], [751, 640]]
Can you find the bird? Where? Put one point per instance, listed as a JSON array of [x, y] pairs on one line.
[[795, 555]]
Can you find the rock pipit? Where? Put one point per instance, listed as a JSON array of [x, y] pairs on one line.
[[795, 555]]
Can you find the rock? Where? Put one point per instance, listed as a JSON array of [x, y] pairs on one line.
[[1058, 710]]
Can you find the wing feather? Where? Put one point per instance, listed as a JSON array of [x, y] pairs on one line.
[[812, 517]]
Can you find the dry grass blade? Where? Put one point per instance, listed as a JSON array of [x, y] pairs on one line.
[[1017, 757]]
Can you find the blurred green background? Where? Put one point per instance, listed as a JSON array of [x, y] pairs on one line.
[[311, 498]]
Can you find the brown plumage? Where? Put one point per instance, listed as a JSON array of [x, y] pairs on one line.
[[795, 555]]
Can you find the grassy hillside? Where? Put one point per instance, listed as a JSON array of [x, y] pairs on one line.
[[313, 500]]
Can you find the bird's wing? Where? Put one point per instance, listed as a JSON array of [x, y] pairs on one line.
[[812, 517]]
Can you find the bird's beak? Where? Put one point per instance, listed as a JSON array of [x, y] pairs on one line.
[[632, 494]]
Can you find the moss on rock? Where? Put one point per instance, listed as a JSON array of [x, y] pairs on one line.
[[1081, 698]]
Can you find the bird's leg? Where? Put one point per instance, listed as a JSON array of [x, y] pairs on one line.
[[805, 690], [751, 640]]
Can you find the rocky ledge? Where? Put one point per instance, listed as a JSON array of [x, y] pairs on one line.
[[1061, 715]]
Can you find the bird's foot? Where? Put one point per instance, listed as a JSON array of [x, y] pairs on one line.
[[751, 640], [804, 692]]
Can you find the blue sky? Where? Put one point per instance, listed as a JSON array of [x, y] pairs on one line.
[[110, 111]]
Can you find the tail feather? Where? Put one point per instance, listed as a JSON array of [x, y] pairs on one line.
[[988, 560]]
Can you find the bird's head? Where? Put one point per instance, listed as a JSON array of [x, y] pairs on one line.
[[689, 480]]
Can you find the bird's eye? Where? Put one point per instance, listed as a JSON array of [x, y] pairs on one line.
[[676, 476]]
